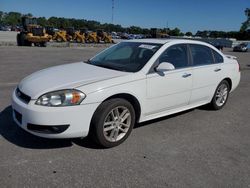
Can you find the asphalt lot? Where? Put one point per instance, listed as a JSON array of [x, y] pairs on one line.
[[8, 36], [196, 148]]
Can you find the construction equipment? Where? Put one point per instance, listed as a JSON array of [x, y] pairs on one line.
[[73, 35], [60, 36], [103, 36], [32, 33], [50, 30], [69, 34], [91, 37], [79, 37], [158, 33]]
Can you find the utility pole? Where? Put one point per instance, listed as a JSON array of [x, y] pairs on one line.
[[113, 3]]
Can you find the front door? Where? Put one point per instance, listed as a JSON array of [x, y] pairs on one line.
[[170, 89]]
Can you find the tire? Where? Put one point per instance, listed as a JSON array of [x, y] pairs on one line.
[[78, 40], [91, 40], [43, 44], [220, 96], [22, 39], [18, 39], [27, 43], [59, 39], [119, 116]]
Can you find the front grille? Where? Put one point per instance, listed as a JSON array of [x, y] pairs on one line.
[[23, 97], [37, 31], [18, 116]]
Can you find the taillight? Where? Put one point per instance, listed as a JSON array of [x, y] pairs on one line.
[[239, 67]]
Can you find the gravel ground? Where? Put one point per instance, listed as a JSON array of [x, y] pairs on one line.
[[196, 148]]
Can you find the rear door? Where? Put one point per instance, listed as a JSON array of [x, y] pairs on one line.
[[206, 73]]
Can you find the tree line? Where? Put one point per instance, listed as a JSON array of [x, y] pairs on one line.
[[14, 19]]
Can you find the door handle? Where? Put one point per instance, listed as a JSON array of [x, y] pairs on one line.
[[217, 70], [186, 75]]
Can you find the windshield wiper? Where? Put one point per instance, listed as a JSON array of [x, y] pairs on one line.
[[87, 61]]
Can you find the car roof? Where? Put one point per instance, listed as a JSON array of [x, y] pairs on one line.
[[164, 41]]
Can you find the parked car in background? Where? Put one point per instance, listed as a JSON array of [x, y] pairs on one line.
[[5, 28], [124, 36], [217, 45], [130, 82], [243, 47], [115, 35]]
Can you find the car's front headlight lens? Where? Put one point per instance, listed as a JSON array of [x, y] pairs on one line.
[[68, 97]]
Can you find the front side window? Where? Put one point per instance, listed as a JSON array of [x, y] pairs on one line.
[[202, 55], [176, 55], [126, 56]]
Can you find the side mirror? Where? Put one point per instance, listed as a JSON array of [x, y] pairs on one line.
[[164, 66]]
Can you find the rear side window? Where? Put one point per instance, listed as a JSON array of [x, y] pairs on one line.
[[202, 55], [217, 57]]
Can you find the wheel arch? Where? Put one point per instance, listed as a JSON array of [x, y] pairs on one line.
[[132, 99], [229, 81]]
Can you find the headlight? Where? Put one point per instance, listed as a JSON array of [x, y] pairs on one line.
[[61, 98]]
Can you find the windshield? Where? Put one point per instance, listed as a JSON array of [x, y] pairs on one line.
[[126, 56]]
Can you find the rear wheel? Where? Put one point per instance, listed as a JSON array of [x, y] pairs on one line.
[[28, 43], [112, 122], [18, 39], [220, 96], [24, 41]]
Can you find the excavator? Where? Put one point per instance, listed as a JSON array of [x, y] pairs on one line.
[[32, 33]]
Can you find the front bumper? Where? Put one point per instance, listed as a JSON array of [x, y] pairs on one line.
[[77, 118]]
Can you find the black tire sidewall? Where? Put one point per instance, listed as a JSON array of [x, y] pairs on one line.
[[18, 38], [99, 118], [213, 102], [43, 44]]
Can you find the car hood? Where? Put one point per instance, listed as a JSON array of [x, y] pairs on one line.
[[65, 77]]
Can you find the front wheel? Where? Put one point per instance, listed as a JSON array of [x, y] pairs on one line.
[[43, 44], [112, 122], [220, 96]]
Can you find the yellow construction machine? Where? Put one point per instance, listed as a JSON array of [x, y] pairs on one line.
[[73, 35], [32, 33], [103, 36], [60, 36], [91, 37], [69, 34]]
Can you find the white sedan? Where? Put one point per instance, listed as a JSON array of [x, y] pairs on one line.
[[132, 81]]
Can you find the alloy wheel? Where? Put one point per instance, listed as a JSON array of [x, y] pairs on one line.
[[117, 123], [221, 95]]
